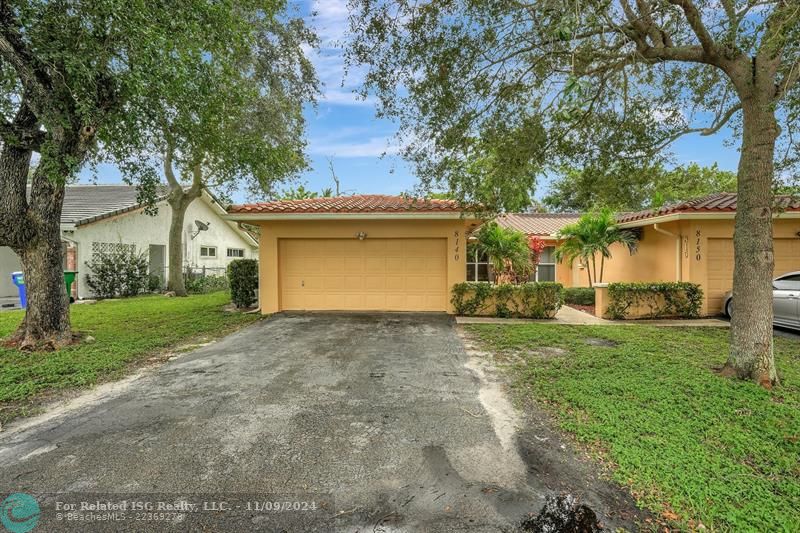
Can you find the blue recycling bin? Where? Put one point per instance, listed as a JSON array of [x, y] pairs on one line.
[[19, 280]]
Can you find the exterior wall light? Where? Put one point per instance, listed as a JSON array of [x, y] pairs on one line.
[[361, 235]]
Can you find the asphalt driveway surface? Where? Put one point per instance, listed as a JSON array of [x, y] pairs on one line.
[[343, 422]]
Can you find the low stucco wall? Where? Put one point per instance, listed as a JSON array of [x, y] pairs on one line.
[[634, 312]]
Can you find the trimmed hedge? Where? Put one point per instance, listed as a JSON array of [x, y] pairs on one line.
[[579, 295], [243, 278], [662, 299], [526, 300]]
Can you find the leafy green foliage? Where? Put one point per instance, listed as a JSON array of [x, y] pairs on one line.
[[594, 234], [507, 250], [126, 332], [155, 283], [492, 95], [301, 193], [682, 438], [197, 284], [243, 278], [629, 186], [118, 273], [579, 295], [662, 299], [231, 116], [524, 300]]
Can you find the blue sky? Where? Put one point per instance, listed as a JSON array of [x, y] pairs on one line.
[[363, 148]]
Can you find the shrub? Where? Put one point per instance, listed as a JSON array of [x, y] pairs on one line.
[[154, 283], [243, 277], [661, 299], [198, 284], [579, 295], [508, 251], [526, 300], [119, 273]]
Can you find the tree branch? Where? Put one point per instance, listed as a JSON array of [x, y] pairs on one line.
[[30, 138], [790, 80], [169, 172], [699, 29], [720, 120], [14, 50]]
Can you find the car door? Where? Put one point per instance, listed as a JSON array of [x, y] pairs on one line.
[[786, 299]]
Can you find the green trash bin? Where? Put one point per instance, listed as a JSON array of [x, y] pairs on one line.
[[69, 278]]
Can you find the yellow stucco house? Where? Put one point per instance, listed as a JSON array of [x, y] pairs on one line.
[[689, 241], [392, 253], [355, 253]]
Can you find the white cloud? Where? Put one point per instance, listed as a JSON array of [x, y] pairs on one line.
[[330, 21], [367, 147]]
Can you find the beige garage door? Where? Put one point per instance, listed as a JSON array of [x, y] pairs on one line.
[[373, 274], [720, 265]]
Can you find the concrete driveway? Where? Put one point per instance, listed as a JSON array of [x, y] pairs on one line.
[[369, 422]]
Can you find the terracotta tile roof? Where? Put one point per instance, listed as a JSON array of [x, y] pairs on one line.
[[363, 203], [537, 223], [722, 202]]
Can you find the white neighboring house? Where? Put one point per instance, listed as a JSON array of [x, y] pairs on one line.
[[99, 218]]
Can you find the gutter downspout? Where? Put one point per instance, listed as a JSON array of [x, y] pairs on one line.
[[678, 269]]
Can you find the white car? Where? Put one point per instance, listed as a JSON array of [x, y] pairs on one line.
[[785, 301]]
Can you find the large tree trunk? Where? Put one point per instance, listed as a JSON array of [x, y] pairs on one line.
[[179, 201], [46, 324], [31, 227], [36, 237], [751, 355]]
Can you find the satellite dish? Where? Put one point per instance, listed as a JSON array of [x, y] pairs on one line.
[[201, 226]]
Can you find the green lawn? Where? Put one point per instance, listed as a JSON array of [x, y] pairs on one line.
[[684, 440], [126, 332]]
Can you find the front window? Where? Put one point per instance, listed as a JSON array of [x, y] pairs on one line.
[[477, 264], [235, 252], [208, 251], [546, 269]]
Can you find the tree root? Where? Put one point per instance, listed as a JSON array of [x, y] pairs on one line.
[[25, 342], [729, 371]]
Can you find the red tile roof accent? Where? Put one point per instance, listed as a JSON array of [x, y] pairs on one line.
[[537, 223], [722, 202], [363, 203]]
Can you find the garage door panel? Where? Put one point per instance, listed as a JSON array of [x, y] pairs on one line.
[[375, 301], [415, 264], [354, 265], [374, 274], [375, 283], [720, 266], [435, 283], [395, 282], [372, 246], [353, 283], [375, 264], [332, 283]]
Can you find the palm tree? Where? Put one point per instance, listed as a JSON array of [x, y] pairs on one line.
[[507, 250], [592, 235]]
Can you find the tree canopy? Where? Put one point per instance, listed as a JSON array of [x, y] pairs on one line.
[[625, 187], [520, 88]]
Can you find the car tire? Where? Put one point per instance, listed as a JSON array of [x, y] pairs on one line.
[[729, 308]]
